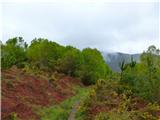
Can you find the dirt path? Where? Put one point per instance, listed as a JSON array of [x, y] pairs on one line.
[[74, 110]]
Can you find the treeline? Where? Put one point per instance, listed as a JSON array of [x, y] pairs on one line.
[[49, 56], [143, 78]]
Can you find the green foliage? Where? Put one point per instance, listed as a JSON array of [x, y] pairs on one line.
[[114, 116], [150, 68], [62, 111], [132, 63], [136, 79], [109, 100], [143, 77], [43, 53], [13, 52], [12, 116], [123, 65], [94, 66], [70, 62]]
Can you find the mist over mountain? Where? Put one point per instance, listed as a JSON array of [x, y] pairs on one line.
[[114, 58]]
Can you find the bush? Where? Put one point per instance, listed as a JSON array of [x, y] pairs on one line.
[[94, 66], [13, 52], [144, 78], [43, 54], [70, 62]]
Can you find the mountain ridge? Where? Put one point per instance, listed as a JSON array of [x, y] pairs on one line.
[[114, 58]]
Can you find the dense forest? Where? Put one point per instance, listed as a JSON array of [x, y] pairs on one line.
[[102, 94]]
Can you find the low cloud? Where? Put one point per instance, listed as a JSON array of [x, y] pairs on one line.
[[124, 27]]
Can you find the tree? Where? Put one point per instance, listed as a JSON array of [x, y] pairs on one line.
[[13, 52], [150, 60], [43, 54], [143, 77], [127, 72], [71, 61], [94, 66], [132, 63], [123, 67]]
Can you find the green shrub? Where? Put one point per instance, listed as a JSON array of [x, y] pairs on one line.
[[94, 66], [143, 78], [13, 53], [43, 54], [70, 62]]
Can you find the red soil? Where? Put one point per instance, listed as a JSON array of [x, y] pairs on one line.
[[22, 92]]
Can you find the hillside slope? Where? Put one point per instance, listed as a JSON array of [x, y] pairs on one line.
[[22, 93], [108, 100]]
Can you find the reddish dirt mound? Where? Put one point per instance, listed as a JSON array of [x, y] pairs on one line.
[[22, 92]]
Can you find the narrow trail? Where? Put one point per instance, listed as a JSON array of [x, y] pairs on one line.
[[74, 110]]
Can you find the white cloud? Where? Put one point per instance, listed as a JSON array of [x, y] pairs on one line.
[[109, 26], [78, 1]]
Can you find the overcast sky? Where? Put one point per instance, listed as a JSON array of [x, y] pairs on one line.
[[123, 27]]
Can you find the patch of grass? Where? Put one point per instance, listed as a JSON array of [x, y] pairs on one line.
[[62, 111]]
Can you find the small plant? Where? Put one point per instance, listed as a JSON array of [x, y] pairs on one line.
[[133, 63], [10, 84], [13, 116]]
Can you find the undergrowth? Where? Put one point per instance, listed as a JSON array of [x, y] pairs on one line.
[[62, 111]]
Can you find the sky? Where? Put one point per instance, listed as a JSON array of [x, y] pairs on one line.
[[128, 27]]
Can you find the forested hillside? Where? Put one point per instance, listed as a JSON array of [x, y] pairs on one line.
[[48, 81]]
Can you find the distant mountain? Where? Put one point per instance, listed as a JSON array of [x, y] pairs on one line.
[[113, 59]]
